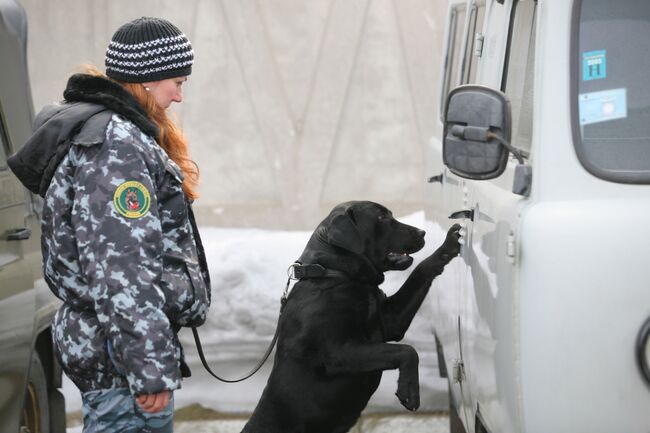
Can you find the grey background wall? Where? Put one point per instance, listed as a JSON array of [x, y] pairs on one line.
[[293, 105]]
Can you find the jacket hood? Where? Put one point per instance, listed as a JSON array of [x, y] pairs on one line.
[[57, 124]]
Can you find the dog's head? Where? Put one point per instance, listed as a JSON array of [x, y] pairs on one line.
[[368, 232]]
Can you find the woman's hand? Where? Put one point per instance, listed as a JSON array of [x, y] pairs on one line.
[[154, 402]]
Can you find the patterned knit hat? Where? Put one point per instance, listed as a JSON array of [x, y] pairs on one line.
[[148, 49]]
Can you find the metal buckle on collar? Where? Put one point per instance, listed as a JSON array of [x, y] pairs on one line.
[[291, 271]]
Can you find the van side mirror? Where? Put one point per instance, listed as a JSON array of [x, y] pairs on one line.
[[476, 132]]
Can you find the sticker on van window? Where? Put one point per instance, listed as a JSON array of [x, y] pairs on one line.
[[601, 106], [594, 65]]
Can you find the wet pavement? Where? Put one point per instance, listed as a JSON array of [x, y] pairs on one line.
[[371, 423], [376, 423]]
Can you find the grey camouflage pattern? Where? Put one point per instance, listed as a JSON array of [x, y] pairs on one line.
[[134, 281], [115, 410]]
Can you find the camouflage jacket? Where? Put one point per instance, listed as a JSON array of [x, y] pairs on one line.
[[119, 242]]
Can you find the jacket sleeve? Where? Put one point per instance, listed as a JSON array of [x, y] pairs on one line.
[[119, 238]]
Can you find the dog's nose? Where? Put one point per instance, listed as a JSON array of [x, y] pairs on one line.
[[421, 233]]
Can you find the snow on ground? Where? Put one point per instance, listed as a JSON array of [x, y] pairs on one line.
[[248, 270]]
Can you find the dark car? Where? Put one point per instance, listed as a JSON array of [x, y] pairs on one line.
[[30, 400]]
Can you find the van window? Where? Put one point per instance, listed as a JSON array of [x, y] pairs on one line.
[[519, 72], [611, 97], [470, 63], [451, 76]]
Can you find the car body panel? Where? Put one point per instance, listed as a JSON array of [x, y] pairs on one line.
[[26, 304]]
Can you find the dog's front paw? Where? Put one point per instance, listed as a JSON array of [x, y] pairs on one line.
[[451, 246], [409, 396]]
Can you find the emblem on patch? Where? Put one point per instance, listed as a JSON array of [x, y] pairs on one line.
[[132, 199]]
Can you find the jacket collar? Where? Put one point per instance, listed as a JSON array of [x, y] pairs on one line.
[[103, 91]]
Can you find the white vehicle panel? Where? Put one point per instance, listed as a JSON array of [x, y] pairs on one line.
[[584, 295]]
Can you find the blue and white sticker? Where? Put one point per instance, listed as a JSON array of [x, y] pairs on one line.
[[594, 65], [602, 106]]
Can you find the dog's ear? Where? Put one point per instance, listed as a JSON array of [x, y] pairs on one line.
[[343, 232]]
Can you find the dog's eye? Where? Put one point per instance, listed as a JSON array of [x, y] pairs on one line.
[[381, 218]]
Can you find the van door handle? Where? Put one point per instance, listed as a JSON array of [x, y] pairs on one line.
[[463, 214], [437, 178], [19, 234]]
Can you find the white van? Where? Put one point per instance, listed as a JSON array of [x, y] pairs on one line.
[[542, 323]]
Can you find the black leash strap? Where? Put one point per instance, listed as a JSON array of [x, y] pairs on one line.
[[296, 271], [255, 369], [259, 365]]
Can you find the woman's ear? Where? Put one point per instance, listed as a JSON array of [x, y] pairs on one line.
[[148, 85]]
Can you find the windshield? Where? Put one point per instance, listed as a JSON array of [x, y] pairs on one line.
[[613, 93]]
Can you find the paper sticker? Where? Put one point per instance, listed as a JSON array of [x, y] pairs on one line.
[[602, 106], [594, 65]]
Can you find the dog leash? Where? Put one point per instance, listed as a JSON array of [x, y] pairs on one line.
[[199, 347], [297, 271]]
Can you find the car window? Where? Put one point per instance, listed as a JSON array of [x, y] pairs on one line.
[[11, 192], [4, 145], [470, 62], [519, 72], [451, 75], [611, 97]]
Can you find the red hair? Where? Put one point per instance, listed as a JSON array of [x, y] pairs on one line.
[[171, 138]]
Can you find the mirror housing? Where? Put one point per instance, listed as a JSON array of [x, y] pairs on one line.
[[474, 115]]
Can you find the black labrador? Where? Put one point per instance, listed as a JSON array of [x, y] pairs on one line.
[[335, 324]]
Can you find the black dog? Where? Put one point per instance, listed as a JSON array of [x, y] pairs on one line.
[[333, 330]]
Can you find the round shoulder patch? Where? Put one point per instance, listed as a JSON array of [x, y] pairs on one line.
[[132, 199]]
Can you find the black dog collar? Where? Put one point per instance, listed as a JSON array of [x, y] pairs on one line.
[[298, 271]]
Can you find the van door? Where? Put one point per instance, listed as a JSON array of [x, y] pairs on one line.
[[465, 21], [489, 297], [462, 211], [442, 196]]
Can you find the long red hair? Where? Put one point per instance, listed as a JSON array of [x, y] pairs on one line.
[[171, 137]]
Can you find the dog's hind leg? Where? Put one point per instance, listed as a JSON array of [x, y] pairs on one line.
[[362, 358]]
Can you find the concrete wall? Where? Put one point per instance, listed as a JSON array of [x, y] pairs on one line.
[[293, 106]]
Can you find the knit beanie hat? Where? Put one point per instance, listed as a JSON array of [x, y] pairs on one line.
[[148, 49]]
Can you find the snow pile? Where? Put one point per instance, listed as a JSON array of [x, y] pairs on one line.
[[248, 268]]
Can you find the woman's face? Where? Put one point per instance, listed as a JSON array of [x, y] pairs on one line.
[[166, 91]]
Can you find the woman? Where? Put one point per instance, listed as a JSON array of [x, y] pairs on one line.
[[119, 241]]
